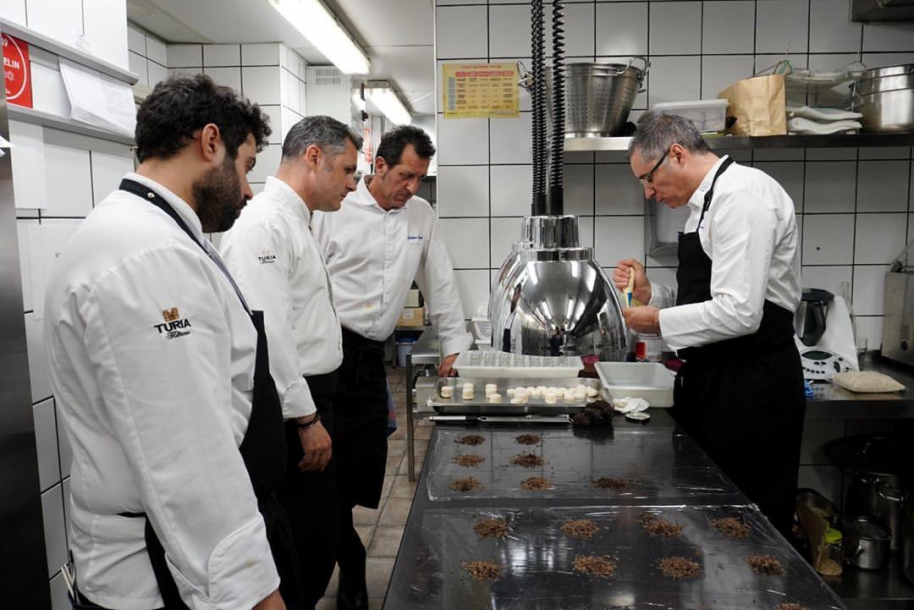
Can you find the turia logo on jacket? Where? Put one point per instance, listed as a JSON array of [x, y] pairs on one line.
[[266, 258], [174, 326]]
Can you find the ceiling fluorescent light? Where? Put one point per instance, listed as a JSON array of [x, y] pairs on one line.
[[320, 27], [388, 102]]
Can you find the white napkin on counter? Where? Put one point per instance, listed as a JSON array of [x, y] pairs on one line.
[[630, 404]]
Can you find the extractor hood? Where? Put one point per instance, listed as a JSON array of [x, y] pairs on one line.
[[882, 10]]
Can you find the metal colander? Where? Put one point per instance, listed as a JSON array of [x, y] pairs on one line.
[[598, 96]]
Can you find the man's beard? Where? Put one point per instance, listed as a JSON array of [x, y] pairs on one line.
[[218, 197]]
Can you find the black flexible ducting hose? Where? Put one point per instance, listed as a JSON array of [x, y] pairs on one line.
[[539, 101], [557, 167]]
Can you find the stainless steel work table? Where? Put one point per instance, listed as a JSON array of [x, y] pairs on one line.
[[665, 474]]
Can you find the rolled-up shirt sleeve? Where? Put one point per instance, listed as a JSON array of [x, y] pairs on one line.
[[168, 401], [438, 283], [266, 287]]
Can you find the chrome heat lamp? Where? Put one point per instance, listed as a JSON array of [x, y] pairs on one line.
[[550, 297]]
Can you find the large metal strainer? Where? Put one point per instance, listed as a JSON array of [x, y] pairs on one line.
[[599, 96]]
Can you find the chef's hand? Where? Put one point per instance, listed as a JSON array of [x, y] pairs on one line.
[[644, 320], [316, 444], [271, 602], [446, 368], [642, 289]]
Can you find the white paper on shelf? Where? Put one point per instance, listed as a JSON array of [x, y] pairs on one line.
[[98, 100]]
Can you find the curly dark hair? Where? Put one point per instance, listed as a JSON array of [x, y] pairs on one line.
[[181, 106], [393, 142]]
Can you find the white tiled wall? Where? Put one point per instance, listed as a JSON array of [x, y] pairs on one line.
[[148, 56], [855, 207], [852, 204], [271, 75]]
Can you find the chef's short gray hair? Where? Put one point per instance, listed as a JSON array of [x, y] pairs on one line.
[[656, 132], [325, 132]]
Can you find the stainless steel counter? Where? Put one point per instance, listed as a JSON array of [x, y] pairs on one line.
[[833, 402], [664, 474]]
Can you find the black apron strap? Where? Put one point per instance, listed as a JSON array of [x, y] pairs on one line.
[[710, 194]]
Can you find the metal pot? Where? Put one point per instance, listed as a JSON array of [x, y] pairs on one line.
[[885, 97], [866, 543], [598, 96]]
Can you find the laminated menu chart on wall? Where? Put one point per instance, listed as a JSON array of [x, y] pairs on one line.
[[99, 100], [480, 90]]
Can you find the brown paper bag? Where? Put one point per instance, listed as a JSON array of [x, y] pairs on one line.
[[758, 105]]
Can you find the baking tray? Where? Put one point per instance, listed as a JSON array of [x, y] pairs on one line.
[[480, 405], [537, 560], [651, 465]]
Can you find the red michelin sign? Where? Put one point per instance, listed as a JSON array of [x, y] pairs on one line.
[[17, 71]]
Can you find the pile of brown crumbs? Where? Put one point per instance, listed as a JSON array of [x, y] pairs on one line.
[[653, 524], [610, 483], [679, 568], [595, 565], [765, 564], [470, 439], [491, 528], [731, 527], [483, 570], [467, 484], [535, 484], [580, 528], [528, 460], [790, 606], [528, 439], [469, 459]]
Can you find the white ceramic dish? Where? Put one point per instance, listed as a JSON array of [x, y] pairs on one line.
[[648, 380]]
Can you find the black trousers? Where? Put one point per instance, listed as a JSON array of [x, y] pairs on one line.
[[310, 499]]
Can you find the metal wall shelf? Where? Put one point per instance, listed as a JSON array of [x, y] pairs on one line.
[[743, 142]]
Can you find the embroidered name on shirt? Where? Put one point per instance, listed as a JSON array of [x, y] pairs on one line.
[[174, 326], [267, 258], [414, 238]]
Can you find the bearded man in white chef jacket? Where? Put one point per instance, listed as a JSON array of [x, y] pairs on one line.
[[740, 392], [382, 239], [276, 261], [158, 369]]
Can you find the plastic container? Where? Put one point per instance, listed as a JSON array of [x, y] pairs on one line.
[[475, 364], [708, 116], [648, 380], [832, 553], [404, 347]]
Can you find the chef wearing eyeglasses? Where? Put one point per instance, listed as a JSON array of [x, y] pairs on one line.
[[740, 392]]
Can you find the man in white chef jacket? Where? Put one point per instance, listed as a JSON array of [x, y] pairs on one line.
[[276, 261], [740, 392], [382, 239], [156, 371]]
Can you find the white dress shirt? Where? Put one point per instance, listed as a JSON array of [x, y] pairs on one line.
[[273, 256], [374, 255], [152, 360], [750, 234]]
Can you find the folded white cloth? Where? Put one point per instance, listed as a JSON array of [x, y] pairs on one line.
[[801, 125], [629, 404], [822, 114]]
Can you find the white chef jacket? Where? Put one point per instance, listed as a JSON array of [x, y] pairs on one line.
[[152, 363], [750, 234], [374, 255], [276, 262]]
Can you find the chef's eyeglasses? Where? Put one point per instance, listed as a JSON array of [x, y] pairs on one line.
[[648, 178]]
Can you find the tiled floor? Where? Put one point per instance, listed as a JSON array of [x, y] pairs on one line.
[[382, 529]]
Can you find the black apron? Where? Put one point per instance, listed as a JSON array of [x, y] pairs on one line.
[[360, 422], [742, 399], [263, 450]]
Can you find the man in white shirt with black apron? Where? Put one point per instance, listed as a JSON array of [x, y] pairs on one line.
[[740, 392], [161, 376], [382, 239], [277, 263]]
